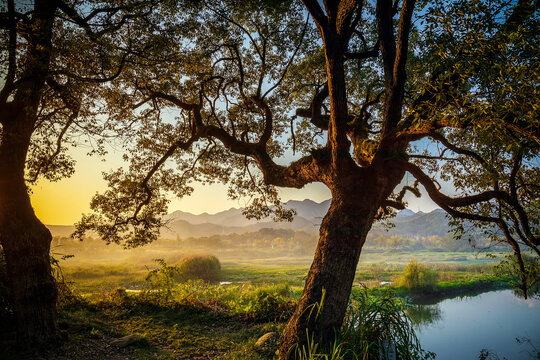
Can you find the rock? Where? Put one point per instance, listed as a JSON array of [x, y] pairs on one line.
[[126, 340], [267, 339]]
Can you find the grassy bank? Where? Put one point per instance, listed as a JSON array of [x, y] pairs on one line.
[[197, 320]]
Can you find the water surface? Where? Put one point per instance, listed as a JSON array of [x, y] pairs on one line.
[[460, 328]]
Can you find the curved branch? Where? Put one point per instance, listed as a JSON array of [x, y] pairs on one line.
[[243, 29], [316, 13], [314, 112], [100, 80], [84, 22], [299, 173], [144, 184], [448, 203]]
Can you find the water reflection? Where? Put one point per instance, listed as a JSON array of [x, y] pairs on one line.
[[485, 325], [422, 315]]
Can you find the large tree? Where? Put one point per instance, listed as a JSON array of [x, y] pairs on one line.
[[214, 99], [54, 56]]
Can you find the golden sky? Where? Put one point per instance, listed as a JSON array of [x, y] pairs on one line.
[[63, 202]]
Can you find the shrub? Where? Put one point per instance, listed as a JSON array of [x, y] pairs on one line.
[[204, 267], [66, 294], [417, 276], [115, 298], [164, 278]]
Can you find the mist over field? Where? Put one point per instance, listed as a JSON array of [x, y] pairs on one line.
[[230, 236]]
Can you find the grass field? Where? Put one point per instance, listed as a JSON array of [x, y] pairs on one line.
[[197, 320], [373, 268]]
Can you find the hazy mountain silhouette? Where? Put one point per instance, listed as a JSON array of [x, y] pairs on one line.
[[309, 216]]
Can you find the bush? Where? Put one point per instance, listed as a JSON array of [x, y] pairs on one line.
[[115, 298], [204, 267], [417, 276]]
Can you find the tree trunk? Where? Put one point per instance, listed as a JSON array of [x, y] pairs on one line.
[[342, 235], [26, 243], [25, 240]]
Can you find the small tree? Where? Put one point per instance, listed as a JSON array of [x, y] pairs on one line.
[[418, 276]]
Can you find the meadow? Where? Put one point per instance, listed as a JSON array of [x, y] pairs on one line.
[[116, 293]]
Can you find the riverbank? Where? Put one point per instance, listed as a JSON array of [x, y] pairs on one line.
[[451, 289], [197, 320]]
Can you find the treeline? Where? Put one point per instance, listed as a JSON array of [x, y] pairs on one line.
[[282, 241], [428, 243]]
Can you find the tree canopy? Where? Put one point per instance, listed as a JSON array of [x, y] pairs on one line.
[[224, 92], [267, 94]]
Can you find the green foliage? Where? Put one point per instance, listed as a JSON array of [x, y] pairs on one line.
[[66, 293], [509, 268], [204, 267], [312, 351], [376, 324], [417, 276], [375, 327], [270, 305], [499, 152], [160, 282], [118, 298]]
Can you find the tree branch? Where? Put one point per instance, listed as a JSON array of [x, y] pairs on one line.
[[290, 60], [399, 74], [316, 13], [387, 42], [12, 46]]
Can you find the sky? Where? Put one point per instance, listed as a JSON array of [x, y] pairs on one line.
[[63, 202]]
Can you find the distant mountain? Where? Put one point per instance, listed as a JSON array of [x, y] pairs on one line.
[[309, 216], [421, 224], [61, 230], [405, 213], [309, 209], [185, 229]]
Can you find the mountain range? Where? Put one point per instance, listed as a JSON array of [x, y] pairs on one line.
[[309, 215]]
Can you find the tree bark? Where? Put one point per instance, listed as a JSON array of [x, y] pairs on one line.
[[24, 239], [342, 235], [26, 243]]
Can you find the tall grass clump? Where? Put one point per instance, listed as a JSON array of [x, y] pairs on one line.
[[378, 327], [417, 276], [375, 327], [204, 267]]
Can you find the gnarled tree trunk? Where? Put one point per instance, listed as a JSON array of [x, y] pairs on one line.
[[26, 243], [25, 240], [342, 235]]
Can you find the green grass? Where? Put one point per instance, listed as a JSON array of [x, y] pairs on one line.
[[196, 320], [175, 332]]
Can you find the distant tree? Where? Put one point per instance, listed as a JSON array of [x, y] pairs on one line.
[[54, 55], [367, 83]]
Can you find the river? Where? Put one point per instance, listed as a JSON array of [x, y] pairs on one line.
[[459, 328]]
